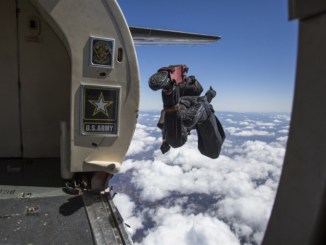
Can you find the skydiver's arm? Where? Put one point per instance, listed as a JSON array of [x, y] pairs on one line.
[[191, 87]]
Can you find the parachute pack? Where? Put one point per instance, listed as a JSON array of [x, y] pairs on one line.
[[184, 110]]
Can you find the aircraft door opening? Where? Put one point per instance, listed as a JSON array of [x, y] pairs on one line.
[[45, 84], [35, 94], [10, 142]]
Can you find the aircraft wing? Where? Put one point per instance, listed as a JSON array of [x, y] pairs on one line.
[[148, 36]]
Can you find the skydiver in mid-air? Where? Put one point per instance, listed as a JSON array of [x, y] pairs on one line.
[[184, 109]]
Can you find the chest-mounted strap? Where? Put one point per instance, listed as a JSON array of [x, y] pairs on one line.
[[173, 108]]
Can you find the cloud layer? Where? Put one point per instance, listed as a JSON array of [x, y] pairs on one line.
[[183, 197]]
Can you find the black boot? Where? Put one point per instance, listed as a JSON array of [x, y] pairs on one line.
[[160, 80], [165, 147]]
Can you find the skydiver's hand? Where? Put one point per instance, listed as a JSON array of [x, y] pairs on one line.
[[190, 80], [210, 94]]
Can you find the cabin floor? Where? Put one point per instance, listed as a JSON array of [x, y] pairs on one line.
[[35, 210], [44, 220]]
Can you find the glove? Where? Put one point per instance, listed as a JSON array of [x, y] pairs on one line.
[[190, 80], [210, 94]]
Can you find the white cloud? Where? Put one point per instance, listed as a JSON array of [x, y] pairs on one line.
[[283, 139], [185, 171], [284, 131], [265, 124], [245, 123], [248, 214], [176, 228], [142, 141], [231, 121], [127, 211], [282, 117], [241, 185], [231, 130], [249, 133]]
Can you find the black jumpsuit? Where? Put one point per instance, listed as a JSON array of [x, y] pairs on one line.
[[184, 110]]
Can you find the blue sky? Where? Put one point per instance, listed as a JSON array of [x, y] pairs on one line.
[[252, 67]]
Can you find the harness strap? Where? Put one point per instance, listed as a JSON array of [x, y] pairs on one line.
[[173, 108]]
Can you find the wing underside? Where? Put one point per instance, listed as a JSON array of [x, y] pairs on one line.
[[149, 36]]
